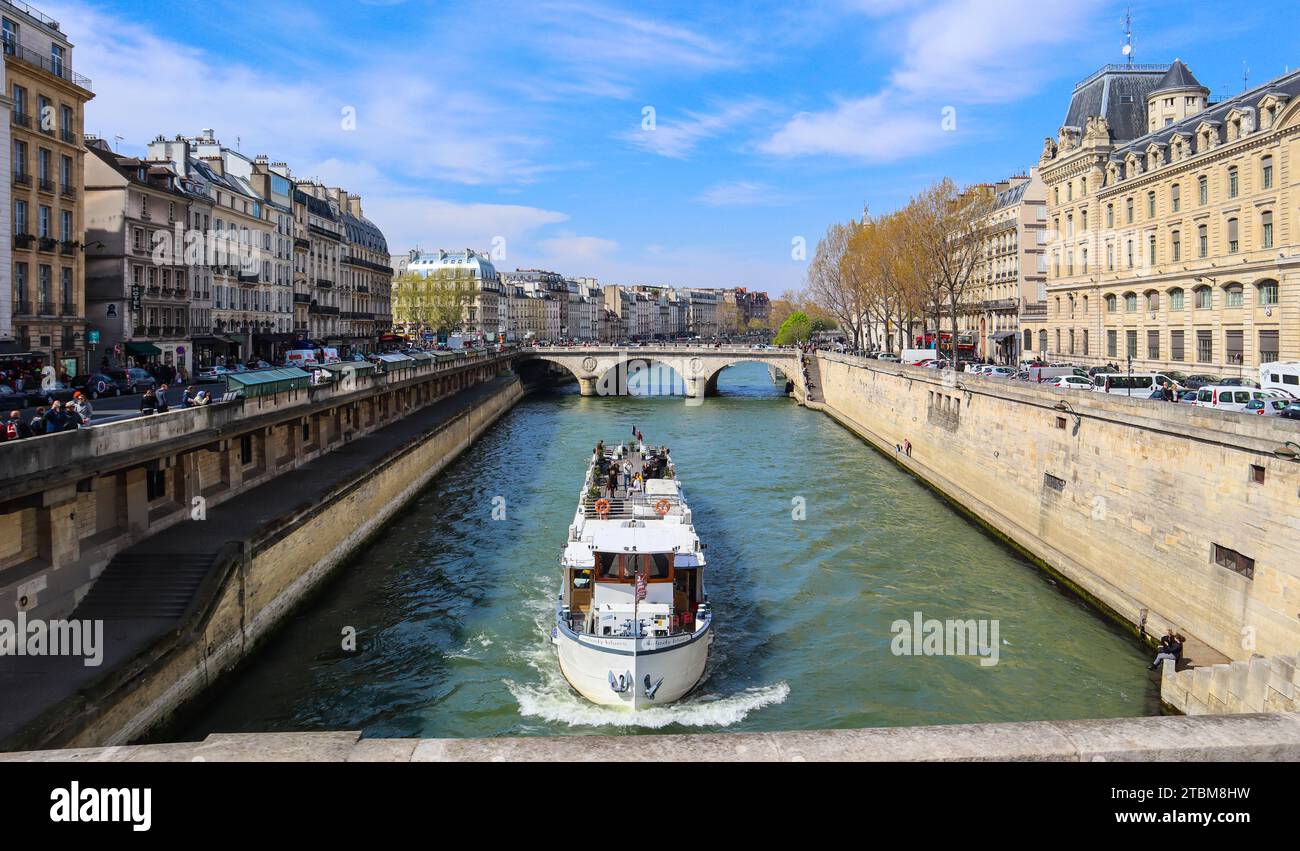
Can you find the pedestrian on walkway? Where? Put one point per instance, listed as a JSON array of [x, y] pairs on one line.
[[13, 427], [1171, 647], [161, 404], [149, 402], [81, 408], [36, 425]]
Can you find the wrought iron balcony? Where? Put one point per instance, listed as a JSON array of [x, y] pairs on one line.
[[48, 64], [22, 178], [23, 240]]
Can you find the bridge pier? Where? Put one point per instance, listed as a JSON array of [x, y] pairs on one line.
[[587, 386]]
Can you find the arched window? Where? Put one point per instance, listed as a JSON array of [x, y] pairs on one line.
[[1153, 300], [1202, 240], [1176, 299], [1203, 187], [1267, 291], [1110, 304], [1110, 215], [1176, 246], [1130, 302], [1232, 295], [1234, 241], [1204, 298]]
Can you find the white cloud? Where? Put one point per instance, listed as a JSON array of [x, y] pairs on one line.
[[676, 138], [740, 193], [876, 129], [986, 50]]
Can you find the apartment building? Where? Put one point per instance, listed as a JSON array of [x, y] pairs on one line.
[[1009, 285], [47, 312], [139, 280]]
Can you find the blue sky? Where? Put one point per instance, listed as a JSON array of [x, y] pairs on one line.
[[525, 121]]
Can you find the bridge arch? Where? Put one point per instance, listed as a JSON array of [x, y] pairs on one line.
[[696, 367]]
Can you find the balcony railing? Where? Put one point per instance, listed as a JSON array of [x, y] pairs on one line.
[[68, 136], [68, 310], [68, 248], [22, 307], [59, 68], [22, 119], [47, 243], [23, 240], [46, 308], [324, 283], [22, 178], [68, 191], [45, 185]]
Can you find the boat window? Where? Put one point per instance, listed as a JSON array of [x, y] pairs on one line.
[[655, 566], [607, 567]]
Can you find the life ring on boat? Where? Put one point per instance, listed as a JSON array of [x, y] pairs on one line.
[[602, 506], [662, 507]]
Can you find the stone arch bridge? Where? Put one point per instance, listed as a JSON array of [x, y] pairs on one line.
[[607, 370]]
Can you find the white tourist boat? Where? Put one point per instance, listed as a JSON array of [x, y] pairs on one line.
[[633, 624]]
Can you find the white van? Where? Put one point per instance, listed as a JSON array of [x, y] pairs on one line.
[[915, 356], [1227, 397], [1138, 384], [1281, 376]]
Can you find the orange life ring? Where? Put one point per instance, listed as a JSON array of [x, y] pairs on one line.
[[662, 507], [602, 506]]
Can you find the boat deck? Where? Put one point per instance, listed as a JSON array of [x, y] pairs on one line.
[[623, 502]]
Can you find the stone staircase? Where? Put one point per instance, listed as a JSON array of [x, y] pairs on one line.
[[145, 585], [813, 384], [1257, 684]]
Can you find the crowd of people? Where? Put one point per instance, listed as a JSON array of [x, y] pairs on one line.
[[59, 416], [618, 476]]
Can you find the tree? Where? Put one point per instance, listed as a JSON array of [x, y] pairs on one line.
[[949, 228], [796, 328], [837, 278]]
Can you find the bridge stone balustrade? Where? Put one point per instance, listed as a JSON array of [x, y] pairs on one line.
[[598, 369]]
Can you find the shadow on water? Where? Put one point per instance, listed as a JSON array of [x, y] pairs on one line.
[[816, 546]]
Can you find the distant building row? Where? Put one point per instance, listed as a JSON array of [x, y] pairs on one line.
[[532, 304]]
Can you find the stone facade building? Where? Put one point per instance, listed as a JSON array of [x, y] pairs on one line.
[[138, 281], [1174, 224], [48, 310], [1010, 284]]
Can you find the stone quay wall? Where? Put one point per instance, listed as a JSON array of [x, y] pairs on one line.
[[1254, 685], [279, 565], [1165, 516]]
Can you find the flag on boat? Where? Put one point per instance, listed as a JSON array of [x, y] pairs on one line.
[[640, 587]]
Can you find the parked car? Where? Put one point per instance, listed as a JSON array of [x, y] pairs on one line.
[[1069, 382], [1291, 411], [11, 398], [1196, 382], [56, 392], [1267, 407], [890, 357], [134, 379], [96, 385], [1230, 398], [211, 374], [1239, 382]]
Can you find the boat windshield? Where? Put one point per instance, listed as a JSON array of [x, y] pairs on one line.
[[623, 567]]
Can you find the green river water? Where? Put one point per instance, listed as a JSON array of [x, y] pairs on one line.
[[452, 609]]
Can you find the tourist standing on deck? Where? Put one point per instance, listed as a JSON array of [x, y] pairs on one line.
[[611, 481], [627, 474]]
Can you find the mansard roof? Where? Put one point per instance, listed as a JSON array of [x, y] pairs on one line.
[[1215, 115], [1118, 93]]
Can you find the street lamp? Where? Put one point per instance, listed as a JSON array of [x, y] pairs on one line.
[[1064, 407], [1288, 451]]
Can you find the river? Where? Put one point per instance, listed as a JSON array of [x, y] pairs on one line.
[[817, 547]]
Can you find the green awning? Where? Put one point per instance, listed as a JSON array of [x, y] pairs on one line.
[[267, 382], [143, 349]]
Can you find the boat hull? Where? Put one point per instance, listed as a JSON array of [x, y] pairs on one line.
[[674, 666]]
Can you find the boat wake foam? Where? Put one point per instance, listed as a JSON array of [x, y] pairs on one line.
[[555, 702]]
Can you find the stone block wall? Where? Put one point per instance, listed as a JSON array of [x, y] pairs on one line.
[[1256, 684], [1165, 515]]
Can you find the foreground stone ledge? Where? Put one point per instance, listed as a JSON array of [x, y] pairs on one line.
[[1248, 738]]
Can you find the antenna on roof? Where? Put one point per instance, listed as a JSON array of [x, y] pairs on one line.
[[117, 143], [1127, 49], [1245, 76]]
